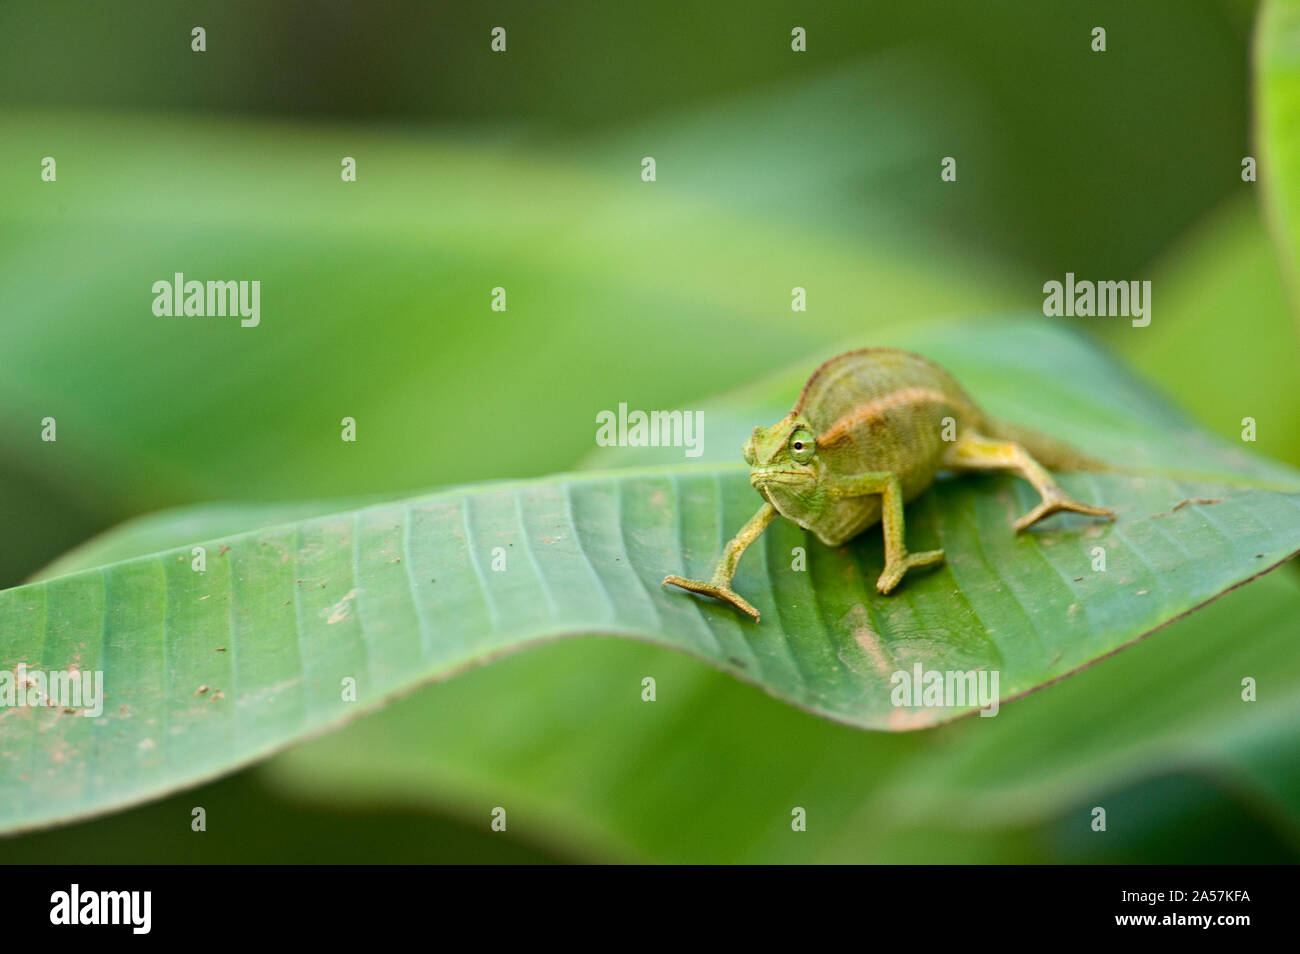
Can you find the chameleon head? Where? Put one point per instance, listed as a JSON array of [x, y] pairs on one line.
[[784, 466]]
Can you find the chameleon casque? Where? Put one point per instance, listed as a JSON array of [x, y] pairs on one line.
[[869, 432]]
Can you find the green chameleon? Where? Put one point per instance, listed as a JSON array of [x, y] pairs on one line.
[[870, 431]]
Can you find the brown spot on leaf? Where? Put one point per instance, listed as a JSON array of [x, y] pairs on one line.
[[900, 718], [858, 620], [1199, 501]]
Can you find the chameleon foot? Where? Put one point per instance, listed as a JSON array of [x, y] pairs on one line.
[[724, 593], [895, 569], [1055, 503]]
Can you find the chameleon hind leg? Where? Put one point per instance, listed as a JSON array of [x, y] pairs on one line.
[[897, 560], [719, 584], [974, 451]]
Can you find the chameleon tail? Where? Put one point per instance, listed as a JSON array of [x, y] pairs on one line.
[[1051, 453]]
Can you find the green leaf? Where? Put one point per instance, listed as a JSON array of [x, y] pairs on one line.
[[710, 771], [397, 594]]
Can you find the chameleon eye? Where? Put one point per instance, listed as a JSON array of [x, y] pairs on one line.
[[803, 445]]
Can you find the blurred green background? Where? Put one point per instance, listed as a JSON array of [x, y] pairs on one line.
[[522, 169]]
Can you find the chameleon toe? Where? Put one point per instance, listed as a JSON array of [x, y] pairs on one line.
[[1052, 505], [723, 593], [894, 572]]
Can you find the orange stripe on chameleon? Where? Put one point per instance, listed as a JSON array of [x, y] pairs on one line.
[[844, 427]]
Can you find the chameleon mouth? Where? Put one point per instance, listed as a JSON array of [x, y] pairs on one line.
[[759, 478]]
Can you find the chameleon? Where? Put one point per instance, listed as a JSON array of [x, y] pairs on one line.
[[870, 431]]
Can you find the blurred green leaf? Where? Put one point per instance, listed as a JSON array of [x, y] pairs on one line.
[[1277, 119], [196, 408], [585, 72], [1222, 342], [262, 825], [397, 594]]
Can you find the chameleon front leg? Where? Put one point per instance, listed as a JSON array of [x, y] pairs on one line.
[[974, 451], [897, 560], [719, 585]]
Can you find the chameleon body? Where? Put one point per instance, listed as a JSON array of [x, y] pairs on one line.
[[869, 432]]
